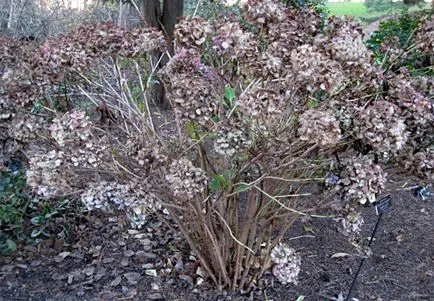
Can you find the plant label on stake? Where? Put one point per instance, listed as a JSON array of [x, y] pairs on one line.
[[383, 204]]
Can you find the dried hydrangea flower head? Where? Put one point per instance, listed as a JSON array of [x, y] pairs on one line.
[[71, 128], [132, 197], [262, 12], [287, 264], [424, 39], [193, 86], [382, 127], [185, 180], [47, 174], [228, 142], [145, 152], [262, 104], [422, 163], [319, 127], [416, 108], [352, 222], [362, 180], [192, 32], [314, 71]]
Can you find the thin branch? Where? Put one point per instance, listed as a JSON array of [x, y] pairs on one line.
[[231, 234]]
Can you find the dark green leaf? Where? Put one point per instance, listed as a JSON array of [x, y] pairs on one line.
[[218, 182]]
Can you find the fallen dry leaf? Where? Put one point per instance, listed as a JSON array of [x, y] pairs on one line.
[[340, 254], [132, 277], [61, 256], [116, 281]]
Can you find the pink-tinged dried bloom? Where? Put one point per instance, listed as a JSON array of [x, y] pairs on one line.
[[287, 264], [392, 47], [230, 142], [262, 104], [300, 27], [416, 108], [315, 71], [382, 127], [424, 85], [347, 26], [194, 98], [233, 42], [319, 127], [362, 180], [142, 40], [186, 180], [192, 32], [193, 88], [263, 12]]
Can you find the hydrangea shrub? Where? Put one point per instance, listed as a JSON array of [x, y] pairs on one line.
[[261, 109]]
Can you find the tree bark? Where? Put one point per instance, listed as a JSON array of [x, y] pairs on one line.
[[163, 20], [172, 11]]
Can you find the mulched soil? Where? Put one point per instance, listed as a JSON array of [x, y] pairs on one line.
[[105, 260]]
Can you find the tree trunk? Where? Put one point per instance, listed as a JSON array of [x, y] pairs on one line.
[[151, 13], [172, 11], [163, 20]]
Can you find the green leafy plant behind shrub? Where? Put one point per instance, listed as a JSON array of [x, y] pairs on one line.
[[394, 42]]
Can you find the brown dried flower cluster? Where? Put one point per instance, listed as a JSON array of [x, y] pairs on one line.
[[352, 222], [424, 39], [287, 264], [146, 153], [391, 46], [362, 180], [132, 197], [314, 71], [262, 104], [192, 32], [25, 128], [185, 180], [424, 84], [416, 107], [20, 76], [266, 12], [422, 163], [229, 143], [193, 88], [383, 127], [48, 174], [319, 127]]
